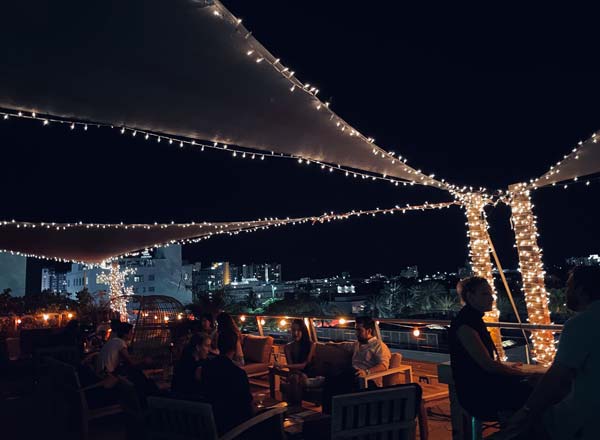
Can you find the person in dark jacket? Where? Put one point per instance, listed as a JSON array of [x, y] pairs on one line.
[[485, 385], [186, 377], [225, 386]]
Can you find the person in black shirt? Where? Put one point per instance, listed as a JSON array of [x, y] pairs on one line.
[[226, 386], [484, 384], [186, 377]]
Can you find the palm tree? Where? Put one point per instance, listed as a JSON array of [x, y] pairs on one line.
[[404, 303], [447, 303], [558, 301], [425, 294], [379, 305]]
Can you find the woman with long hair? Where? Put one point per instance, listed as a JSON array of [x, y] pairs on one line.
[[186, 377], [299, 354], [226, 324], [300, 351]]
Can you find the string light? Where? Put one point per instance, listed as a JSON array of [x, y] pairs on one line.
[[532, 271], [235, 150], [205, 230], [118, 293], [552, 175], [256, 51], [479, 254]]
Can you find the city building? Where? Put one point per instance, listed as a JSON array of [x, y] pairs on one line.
[[13, 273], [159, 272], [410, 272], [54, 280], [590, 260], [239, 291], [207, 279], [266, 272]]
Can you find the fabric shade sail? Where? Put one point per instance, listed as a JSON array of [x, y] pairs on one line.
[[584, 160], [98, 243], [180, 67]]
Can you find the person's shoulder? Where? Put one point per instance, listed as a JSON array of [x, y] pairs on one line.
[[464, 317], [582, 319], [113, 343]]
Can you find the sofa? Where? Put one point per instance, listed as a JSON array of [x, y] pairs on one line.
[[331, 357], [257, 354]]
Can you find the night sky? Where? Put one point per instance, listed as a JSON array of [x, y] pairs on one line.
[[480, 97]]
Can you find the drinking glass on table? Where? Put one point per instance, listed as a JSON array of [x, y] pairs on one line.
[[260, 400]]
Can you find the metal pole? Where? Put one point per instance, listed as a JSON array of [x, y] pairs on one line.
[[259, 325], [510, 297]]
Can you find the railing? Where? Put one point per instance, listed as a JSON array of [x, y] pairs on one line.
[[409, 334]]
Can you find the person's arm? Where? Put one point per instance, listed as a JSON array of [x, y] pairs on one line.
[[382, 357], [470, 339], [244, 384], [553, 387], [198, 374], [572, 352], [125, 358]]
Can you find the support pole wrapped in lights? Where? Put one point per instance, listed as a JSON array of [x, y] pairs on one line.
[[479, 254], [532, 272]]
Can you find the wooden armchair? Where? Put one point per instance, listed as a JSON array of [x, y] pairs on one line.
[[181, 419], [65, 379], [374, 413], [387, 412], [257, 354]]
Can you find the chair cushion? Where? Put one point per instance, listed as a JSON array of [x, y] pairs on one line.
[[394, 379], [257, 349], [256, 368], [329, 358]]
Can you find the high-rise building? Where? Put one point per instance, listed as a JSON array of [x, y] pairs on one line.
[[54, 280], [207, 279], [159, 272], [265, 272]]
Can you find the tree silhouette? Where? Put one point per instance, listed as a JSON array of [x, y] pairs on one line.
[[426, 294]]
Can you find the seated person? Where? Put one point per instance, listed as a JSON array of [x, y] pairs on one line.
[[114, 360], [567, 398], [226, 324], [186, 376], [301, 350], [369, 355], [226, 386], [484, 384], [299, 353], [114, 351], [207, 326]]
